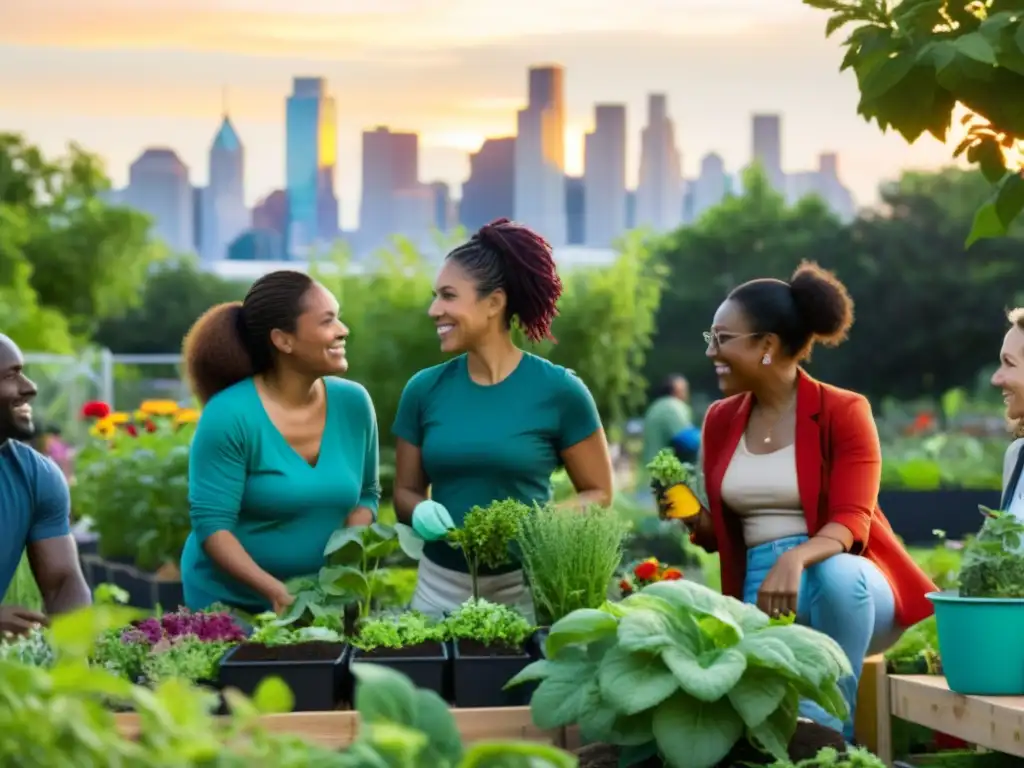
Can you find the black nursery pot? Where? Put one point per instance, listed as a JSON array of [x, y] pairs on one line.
[[144, 589], [535, 645], [316, 672], [426, 664], [480, 673]]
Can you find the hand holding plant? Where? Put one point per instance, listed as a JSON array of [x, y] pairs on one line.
[[486, 536], [669, 482]]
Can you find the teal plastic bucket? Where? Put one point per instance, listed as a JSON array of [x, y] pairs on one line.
[[981, 643]]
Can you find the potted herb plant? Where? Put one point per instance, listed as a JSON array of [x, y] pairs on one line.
[[409, 643], [352, 575], [670, 480], [569, 559], [489, 651], [980, 625], [684, 675], [487, 535], [311, 661]]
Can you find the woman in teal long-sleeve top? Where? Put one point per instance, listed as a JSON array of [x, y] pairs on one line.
[[285, 452]]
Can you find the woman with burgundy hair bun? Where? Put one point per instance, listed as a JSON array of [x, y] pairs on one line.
[[494, 422]]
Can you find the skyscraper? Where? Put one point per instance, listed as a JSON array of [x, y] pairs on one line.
[[311, 155], [767, 148], [158, 185], [604, 179], [659, 193], [540, 156], [390, 166], [224, 213], [824, 183], [711, 187], [489, 192]]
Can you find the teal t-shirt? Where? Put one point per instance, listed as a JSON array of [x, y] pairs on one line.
[[481, 444], [244, 477], [34, 504]]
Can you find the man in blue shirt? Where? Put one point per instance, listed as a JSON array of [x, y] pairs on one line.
[[35, 506]]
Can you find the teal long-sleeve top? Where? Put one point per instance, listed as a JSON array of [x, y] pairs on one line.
[[244, 477]]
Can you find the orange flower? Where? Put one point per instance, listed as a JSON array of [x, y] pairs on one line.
[[646, 570], [672, 574]]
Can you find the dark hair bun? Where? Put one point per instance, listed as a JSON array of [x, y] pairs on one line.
[[823, 302]]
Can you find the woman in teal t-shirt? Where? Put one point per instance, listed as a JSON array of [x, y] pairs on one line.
[[494, 422], [285, 452]]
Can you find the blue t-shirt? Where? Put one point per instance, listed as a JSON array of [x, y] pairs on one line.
[[34, 504]]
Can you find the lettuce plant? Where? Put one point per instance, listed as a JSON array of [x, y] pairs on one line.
[[993, 562], [682, 672], [402, 630], [488, 623]]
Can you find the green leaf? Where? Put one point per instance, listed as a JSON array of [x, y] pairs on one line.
[[987, 153], [580, 627], [775, 733], [435, 719], [690, 597], [645, 631], [563, 697], [1010, 199], [516, 754], [986, 224], [883, 78], [757, 695], [345, 545], [709, 677], [384, 695], [341, 580], [273, 696], [73, 634], [538, 670], [410, 542], [694, 734], [633, 682], [976, 46]]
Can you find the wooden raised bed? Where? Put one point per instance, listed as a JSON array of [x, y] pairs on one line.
[[337, 730]]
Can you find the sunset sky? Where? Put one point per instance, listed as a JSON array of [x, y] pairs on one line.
[[119, 75]]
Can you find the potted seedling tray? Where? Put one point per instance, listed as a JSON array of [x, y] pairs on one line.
[[481, 671], [426, 664], [315, 671]]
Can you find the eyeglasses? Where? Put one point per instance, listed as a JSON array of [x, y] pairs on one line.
[[717, 338]]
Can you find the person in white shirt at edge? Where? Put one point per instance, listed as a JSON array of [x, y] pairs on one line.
[[1010, 379]]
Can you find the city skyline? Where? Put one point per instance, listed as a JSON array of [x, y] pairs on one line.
[[156, 78]]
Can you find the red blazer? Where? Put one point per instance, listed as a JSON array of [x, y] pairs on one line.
[[839, 466]]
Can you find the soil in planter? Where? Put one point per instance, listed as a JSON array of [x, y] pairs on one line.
[[312, 651], [807, 741], [418, 651], [476, 648]]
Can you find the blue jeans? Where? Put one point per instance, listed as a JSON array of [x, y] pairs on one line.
[[847, 598]]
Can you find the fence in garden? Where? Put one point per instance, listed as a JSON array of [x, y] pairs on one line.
[[67, 382]]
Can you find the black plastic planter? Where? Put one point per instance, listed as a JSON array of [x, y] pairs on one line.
[[535, 645], [316, 672], [425, 664], [144, 589], [481, 671]]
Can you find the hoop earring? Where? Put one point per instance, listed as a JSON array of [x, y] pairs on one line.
[[767, 359]]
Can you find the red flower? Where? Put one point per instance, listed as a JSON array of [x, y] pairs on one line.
[[150, 426], [131, 430], [672, 574], [646, 570], [625, 586], [95, 409]]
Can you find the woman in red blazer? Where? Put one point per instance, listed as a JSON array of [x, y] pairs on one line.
[[792, 469]]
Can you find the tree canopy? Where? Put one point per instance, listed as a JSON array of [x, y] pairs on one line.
[[916, 60], [81, 257]]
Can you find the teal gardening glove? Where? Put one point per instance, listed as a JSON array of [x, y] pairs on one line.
[[431, 521]]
